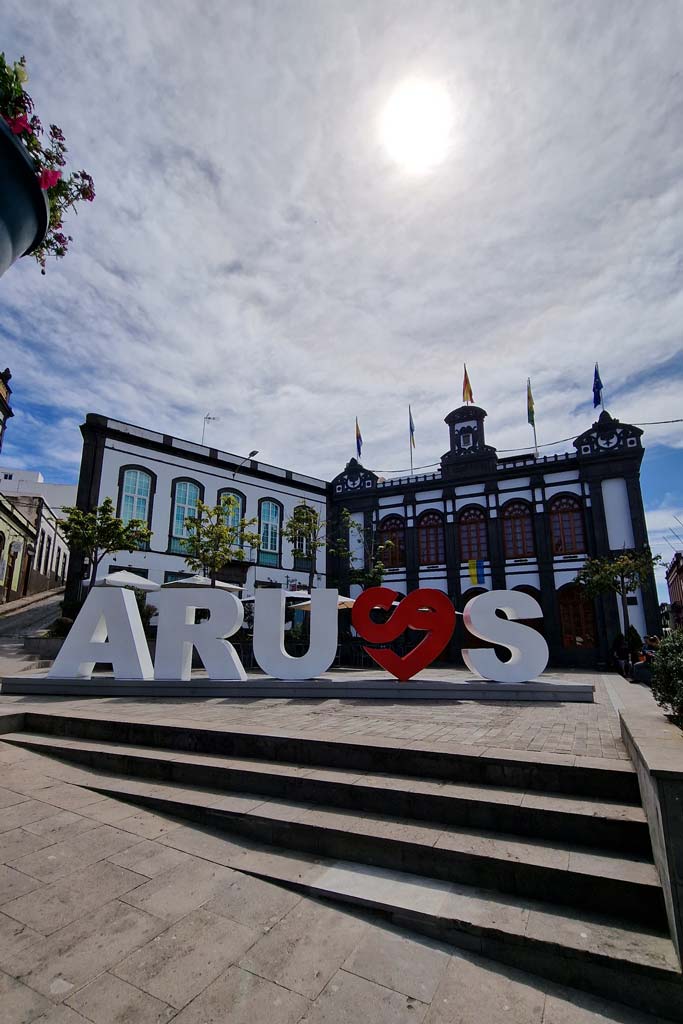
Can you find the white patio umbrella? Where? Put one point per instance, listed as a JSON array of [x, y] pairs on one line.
[[123, 578], [342, 602], [200, 581]]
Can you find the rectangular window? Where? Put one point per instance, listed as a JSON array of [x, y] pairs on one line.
[[186, 499], [269, 550]]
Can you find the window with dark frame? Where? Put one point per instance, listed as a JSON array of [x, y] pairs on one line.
[[392, 532], [269, 530], [472, 535], [185, 500], [430, 538], [136, 491], [518, 531], [566, 527]]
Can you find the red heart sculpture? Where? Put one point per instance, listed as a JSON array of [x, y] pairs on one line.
[[428, 610]]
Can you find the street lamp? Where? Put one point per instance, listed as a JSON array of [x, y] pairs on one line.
[[240, 464], [207, 419]]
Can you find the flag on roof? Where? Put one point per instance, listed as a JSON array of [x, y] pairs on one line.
[[411, 427], [467, 395], [597, 388], [359, 439], [530, 404]]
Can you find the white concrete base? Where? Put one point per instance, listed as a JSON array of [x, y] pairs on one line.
[[344, 686]]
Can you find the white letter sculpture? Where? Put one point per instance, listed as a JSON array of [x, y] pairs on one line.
[[529, 649], [178, 633], [269, 644], [107, 629]]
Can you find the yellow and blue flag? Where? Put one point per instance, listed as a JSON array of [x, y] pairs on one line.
[[476, 568], [359, 439], [411, 427]]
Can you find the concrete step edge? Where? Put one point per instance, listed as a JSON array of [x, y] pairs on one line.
[[638, 901], [613, 781], [607, 810]]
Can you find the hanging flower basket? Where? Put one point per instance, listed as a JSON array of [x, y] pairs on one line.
[[34, 191], [24, 207]]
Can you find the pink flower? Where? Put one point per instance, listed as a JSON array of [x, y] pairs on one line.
[[49, 178], [19, 124]]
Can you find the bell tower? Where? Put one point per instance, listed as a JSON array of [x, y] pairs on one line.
[[468, 454]]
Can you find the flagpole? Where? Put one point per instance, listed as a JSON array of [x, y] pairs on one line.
[[531, 413]]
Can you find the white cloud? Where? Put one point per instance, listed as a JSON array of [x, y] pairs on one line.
[[253, 253]]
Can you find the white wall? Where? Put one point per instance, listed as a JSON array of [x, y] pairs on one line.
[[617, 513], [167, 466]]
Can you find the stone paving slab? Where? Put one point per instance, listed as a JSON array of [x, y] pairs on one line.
[[206, 944], [568, 730]]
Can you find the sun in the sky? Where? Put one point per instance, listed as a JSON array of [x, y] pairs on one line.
[[415, 125]]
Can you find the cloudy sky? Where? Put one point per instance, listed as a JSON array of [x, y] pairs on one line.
[[260, 251]]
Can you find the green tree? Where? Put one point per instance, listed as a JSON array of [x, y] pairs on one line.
[[620, 574], [99, 533], [215, 537], [305, 531], [365, 564]]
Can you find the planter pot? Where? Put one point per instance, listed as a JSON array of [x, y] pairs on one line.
[[24, 210]]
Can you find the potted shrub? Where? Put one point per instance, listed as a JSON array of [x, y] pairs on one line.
[[34, 190]]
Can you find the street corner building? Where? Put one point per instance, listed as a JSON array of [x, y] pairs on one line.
[[523, 522], [480, 522]]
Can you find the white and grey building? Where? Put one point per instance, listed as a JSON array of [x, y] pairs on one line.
[[159, 479]]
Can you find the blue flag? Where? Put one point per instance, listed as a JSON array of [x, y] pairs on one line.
[[359, 439], [597, 388], [411, 427]]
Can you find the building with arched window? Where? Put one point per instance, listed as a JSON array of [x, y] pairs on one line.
[[480, 521], [517, 522], [161, 480]]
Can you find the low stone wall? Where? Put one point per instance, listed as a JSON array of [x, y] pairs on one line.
[[44, 646], [656, 749]]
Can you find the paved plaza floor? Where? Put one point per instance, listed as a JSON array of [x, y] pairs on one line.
[[570, 729], [115, 915]]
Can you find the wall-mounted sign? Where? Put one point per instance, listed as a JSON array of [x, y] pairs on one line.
[[108, 630]]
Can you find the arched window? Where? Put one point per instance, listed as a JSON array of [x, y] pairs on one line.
[[236, 513], [39, 556], [566, 527], [136, 490], [517, 530], [186, 496], [392, 533], [577, 617], [270, 518], [430, 538], [472, 535]]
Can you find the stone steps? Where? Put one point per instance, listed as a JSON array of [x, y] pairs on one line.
[[540, 864], [566, 873], [580, 820], [552, 773]]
